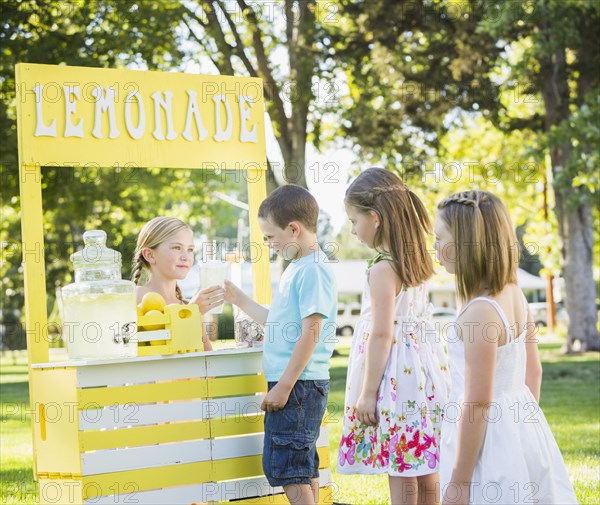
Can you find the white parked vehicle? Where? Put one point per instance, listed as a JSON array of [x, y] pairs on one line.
[[539, 310], [347, 316]]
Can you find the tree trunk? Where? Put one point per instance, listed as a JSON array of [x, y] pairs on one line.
[[294, 172], [574, 217], [579, 279]]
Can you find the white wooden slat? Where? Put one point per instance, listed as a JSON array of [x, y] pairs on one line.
[[220, 365], [250, 445], [323, 440], [149, 336], [143, 371], [211, 491], [117, 460], [246, 445], [82, 363], [121, 416], [132, 458], [238, 406]]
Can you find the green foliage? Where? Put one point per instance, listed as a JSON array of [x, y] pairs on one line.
[[408, 65], [417, 69], [582, 131]]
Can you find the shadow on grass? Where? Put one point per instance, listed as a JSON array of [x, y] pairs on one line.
[[14, 392], [11, 371], [588, 370]]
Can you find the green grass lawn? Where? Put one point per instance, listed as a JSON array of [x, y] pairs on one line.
[[570, 400]]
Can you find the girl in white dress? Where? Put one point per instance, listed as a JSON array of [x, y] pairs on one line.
[[396, 383], [496, 446]]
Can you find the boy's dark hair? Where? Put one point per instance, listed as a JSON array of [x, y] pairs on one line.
[[290, 203]]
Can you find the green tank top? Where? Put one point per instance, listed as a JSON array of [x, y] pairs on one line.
[[378, 257]]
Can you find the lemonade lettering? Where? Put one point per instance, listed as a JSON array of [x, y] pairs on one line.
[[135, 117]]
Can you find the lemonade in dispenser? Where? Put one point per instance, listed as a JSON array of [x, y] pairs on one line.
[[99, 308]]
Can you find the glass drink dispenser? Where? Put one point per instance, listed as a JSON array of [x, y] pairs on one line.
[[98, 309]]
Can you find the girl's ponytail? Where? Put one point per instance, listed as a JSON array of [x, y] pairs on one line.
[[139, 263]]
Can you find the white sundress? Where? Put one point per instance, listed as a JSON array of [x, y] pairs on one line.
[[411, 396], [519, 461]]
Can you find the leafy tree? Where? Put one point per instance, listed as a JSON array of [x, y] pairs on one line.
[[284, 43], [562, 40], [414, 66], [408, 66], [79, 198]]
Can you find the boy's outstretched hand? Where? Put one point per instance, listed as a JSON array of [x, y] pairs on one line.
[[233, 294], [275, 399]]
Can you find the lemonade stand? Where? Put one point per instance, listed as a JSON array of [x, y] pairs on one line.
[[170, 424]]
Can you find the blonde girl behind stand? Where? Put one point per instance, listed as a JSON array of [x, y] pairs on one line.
[[163, 255]]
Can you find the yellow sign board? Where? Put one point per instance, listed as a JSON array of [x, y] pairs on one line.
[[78, 116]]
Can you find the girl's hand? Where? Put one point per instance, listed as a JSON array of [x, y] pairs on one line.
[[208, 298], [366, 409], [233, 294], [456, 494]]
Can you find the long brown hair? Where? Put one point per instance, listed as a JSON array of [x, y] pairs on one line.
[[155, 232], [487, 251], [404, 222]]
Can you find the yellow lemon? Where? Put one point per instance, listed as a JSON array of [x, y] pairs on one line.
[[140, 310], [154, 326], [153, 301]]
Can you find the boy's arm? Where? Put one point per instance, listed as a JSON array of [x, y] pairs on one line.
[[278, 396], [235, 295]]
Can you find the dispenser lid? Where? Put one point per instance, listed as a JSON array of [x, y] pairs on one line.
[[95, 253]]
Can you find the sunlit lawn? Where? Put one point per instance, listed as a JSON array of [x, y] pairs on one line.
[[570, 400]]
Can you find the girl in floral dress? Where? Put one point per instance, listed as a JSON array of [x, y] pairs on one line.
[[397, 374]]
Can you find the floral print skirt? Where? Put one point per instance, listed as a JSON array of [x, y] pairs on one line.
[[411, 397]]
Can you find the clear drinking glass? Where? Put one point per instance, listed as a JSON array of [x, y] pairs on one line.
[[247, 332], [214, 273]]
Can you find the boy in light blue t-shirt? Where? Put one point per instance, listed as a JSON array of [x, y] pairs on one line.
[[299, 339]]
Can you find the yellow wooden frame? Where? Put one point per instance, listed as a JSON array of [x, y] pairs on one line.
[[37, 151]]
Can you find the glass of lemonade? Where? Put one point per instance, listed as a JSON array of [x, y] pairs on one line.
[[214, 273]]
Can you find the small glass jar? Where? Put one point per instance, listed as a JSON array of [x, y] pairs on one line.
[[99, 309], [246, 331]]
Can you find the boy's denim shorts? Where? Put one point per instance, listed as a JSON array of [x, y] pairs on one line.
[[290, 449]]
